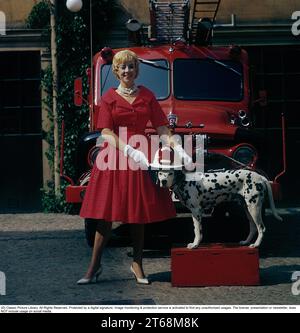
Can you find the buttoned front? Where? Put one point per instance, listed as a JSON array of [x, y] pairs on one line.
[[127, 195]]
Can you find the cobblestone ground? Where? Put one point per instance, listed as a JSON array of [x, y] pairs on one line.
[[43, 255]]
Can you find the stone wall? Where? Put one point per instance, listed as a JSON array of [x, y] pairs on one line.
[[16, 11], [254, 11]]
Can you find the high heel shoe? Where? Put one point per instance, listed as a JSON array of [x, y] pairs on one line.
[[90, 280], [139, 280]]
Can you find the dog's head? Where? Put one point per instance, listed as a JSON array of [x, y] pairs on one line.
[[164, 171], [168, 178]]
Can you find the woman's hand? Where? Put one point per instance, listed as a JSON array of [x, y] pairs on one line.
[[187, 160], [138, 156]]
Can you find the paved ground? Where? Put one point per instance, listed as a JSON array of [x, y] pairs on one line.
[[43, 255]]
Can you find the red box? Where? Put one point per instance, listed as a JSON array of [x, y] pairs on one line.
[[75, 193], [215, 265]]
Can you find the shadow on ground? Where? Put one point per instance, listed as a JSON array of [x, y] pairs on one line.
[[281, 239], [277, 274]]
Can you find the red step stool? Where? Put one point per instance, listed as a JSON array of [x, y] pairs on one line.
[[215, 265]]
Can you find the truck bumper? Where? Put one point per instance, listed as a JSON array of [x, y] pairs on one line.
[[75, 194]]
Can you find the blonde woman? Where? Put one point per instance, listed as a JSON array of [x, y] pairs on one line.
[[127, 195]]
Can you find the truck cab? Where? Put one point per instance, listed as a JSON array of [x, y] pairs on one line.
[[202, 90]]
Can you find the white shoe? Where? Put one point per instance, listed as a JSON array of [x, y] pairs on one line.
[[139, 280], [90, 280]]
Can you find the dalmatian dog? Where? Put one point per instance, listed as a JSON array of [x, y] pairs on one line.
[[216, 187]]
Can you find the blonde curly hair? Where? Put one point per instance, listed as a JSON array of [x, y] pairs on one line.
[[122, 57]]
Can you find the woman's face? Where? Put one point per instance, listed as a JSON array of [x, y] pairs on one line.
[[127, 73]]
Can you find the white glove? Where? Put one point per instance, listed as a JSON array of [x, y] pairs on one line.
[[187, 160], [137, 155]]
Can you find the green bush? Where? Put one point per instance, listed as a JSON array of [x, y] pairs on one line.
[[73, 54], [39, 17]]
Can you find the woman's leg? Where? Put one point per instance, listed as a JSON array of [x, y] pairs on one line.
[[102, 234], [137, 236]]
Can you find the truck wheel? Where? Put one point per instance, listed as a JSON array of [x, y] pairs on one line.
[[90, 230]]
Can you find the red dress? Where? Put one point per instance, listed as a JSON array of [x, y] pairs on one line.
[[127, 196]]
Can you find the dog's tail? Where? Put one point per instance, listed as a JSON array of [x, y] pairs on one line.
[[271, 201]]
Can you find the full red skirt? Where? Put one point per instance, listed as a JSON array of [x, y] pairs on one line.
[[126, 196]]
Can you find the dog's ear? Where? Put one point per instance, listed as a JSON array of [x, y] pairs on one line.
[[178, 176]]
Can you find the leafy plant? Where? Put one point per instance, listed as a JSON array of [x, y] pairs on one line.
[[39, 17], [73, 55]]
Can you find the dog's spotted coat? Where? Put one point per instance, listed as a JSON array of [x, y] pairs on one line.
[[217, 187]]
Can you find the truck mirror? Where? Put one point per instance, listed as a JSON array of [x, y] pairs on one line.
[[262, 98], [78, 91]]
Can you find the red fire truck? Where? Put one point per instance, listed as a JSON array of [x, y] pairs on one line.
[[203, 89]]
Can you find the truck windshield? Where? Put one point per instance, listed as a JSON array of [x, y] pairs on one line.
[[203, 79], [154, 78]]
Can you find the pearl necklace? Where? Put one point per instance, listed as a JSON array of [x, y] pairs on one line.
[[127, 91]]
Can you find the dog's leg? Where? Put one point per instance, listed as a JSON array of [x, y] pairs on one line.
[[252, 225], [271, 201], [197, 230], [255, 212], [252, 231]]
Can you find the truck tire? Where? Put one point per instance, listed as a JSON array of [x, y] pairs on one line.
[[90, 231]]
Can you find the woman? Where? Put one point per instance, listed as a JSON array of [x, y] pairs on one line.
[[126, 195]]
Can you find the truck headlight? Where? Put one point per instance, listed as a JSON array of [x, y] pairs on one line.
[[245, 154], [244, 119]]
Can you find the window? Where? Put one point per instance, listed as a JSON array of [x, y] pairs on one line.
[[20, 132], [207, 79], [276, 69], [20, 93], [154, 78]]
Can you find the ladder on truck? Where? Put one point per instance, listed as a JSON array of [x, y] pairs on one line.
[[169, 20], [202, 20]]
